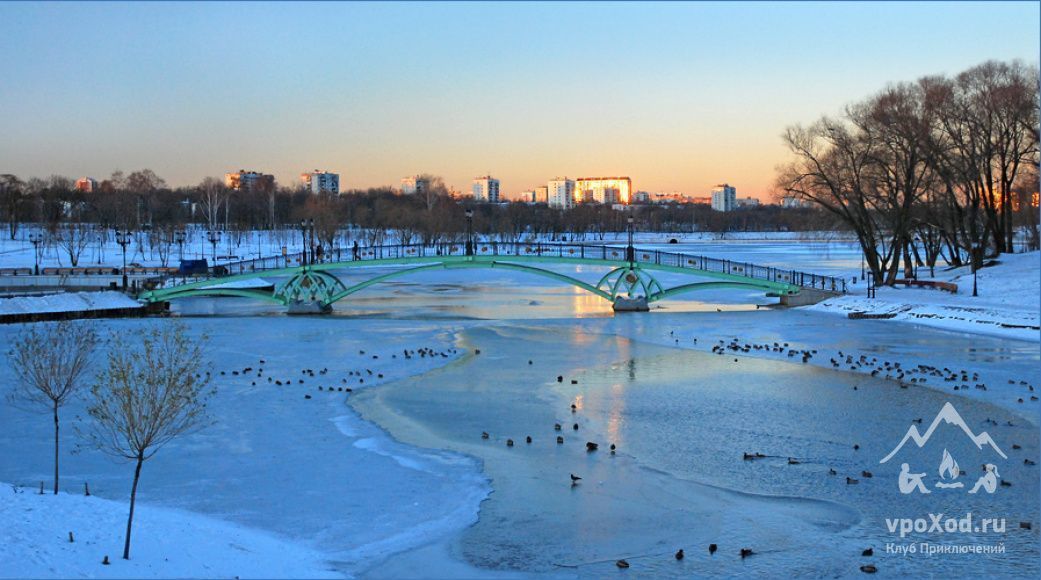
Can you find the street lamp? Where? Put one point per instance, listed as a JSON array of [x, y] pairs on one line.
[[123, 239], [36, 239], [306, 225], [213, 238], [976, 249], [469, 232], [630, 252], [310, 227], [179, 237]]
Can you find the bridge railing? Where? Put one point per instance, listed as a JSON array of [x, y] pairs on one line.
[[535, 249]]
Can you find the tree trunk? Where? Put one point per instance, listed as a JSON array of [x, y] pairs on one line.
[[133, 496], [55, 447]]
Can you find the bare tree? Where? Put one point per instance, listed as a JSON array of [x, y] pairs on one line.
[[13, 195], [74, 238], [147, 396], [833, 169], [50, 361], [434, 189], [161, 240], [213, 195]]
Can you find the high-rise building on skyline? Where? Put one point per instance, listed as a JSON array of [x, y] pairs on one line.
[[414, 184], [561, 193], [251, 181], [321, 182], [486, 189], [542, 194], [724, 197], [607, 190], [86, 184]]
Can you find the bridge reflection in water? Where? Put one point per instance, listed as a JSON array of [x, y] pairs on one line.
[[310, 286]]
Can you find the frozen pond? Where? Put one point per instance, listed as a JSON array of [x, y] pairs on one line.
[[682, 421], [399, 465]]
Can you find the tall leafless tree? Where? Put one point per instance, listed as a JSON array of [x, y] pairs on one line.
[[12, 196], [50, 362], [214, 196], [149, 393]]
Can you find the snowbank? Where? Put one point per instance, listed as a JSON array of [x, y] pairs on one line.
[[1007, 305], [166, 543], [67, 302]]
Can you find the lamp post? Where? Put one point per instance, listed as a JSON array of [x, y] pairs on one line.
[[306, 225], [469, 232], [123, 239], [213, 237], [36, 239], [976, 248], [101, 244], [630, 252], [179, 237], [310, 242]]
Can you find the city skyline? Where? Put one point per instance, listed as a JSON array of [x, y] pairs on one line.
[[685, 97]]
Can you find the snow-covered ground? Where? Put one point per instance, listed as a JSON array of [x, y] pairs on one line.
[[1007, 305], [168, 543], [290, 459], [67, 302]]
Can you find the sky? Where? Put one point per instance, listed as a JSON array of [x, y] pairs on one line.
[[676, 96]]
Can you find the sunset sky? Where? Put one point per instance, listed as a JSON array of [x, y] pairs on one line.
[[677, 96]]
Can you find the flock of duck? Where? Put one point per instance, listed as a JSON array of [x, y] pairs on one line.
[[575, 480], [889, 370], [357, 376], [873, 366]]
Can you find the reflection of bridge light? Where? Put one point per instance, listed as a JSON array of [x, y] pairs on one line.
[[585, 304], [614, 414]]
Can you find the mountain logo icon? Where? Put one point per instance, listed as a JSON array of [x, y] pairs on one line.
[[949, 415]]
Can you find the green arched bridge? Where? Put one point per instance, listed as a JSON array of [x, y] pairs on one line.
[[630, 284]]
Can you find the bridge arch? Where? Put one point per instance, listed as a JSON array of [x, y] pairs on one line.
[[622, 280], [631, 272]]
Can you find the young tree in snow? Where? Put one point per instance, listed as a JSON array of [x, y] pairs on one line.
[[146, 396], [73, 239], [50, 361]]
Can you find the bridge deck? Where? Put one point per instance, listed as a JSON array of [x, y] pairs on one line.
[[530, 252]]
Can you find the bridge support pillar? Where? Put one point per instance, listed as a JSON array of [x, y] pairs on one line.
[[634, 304], [309, 307]]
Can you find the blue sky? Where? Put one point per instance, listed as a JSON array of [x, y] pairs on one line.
[[678, 96]]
